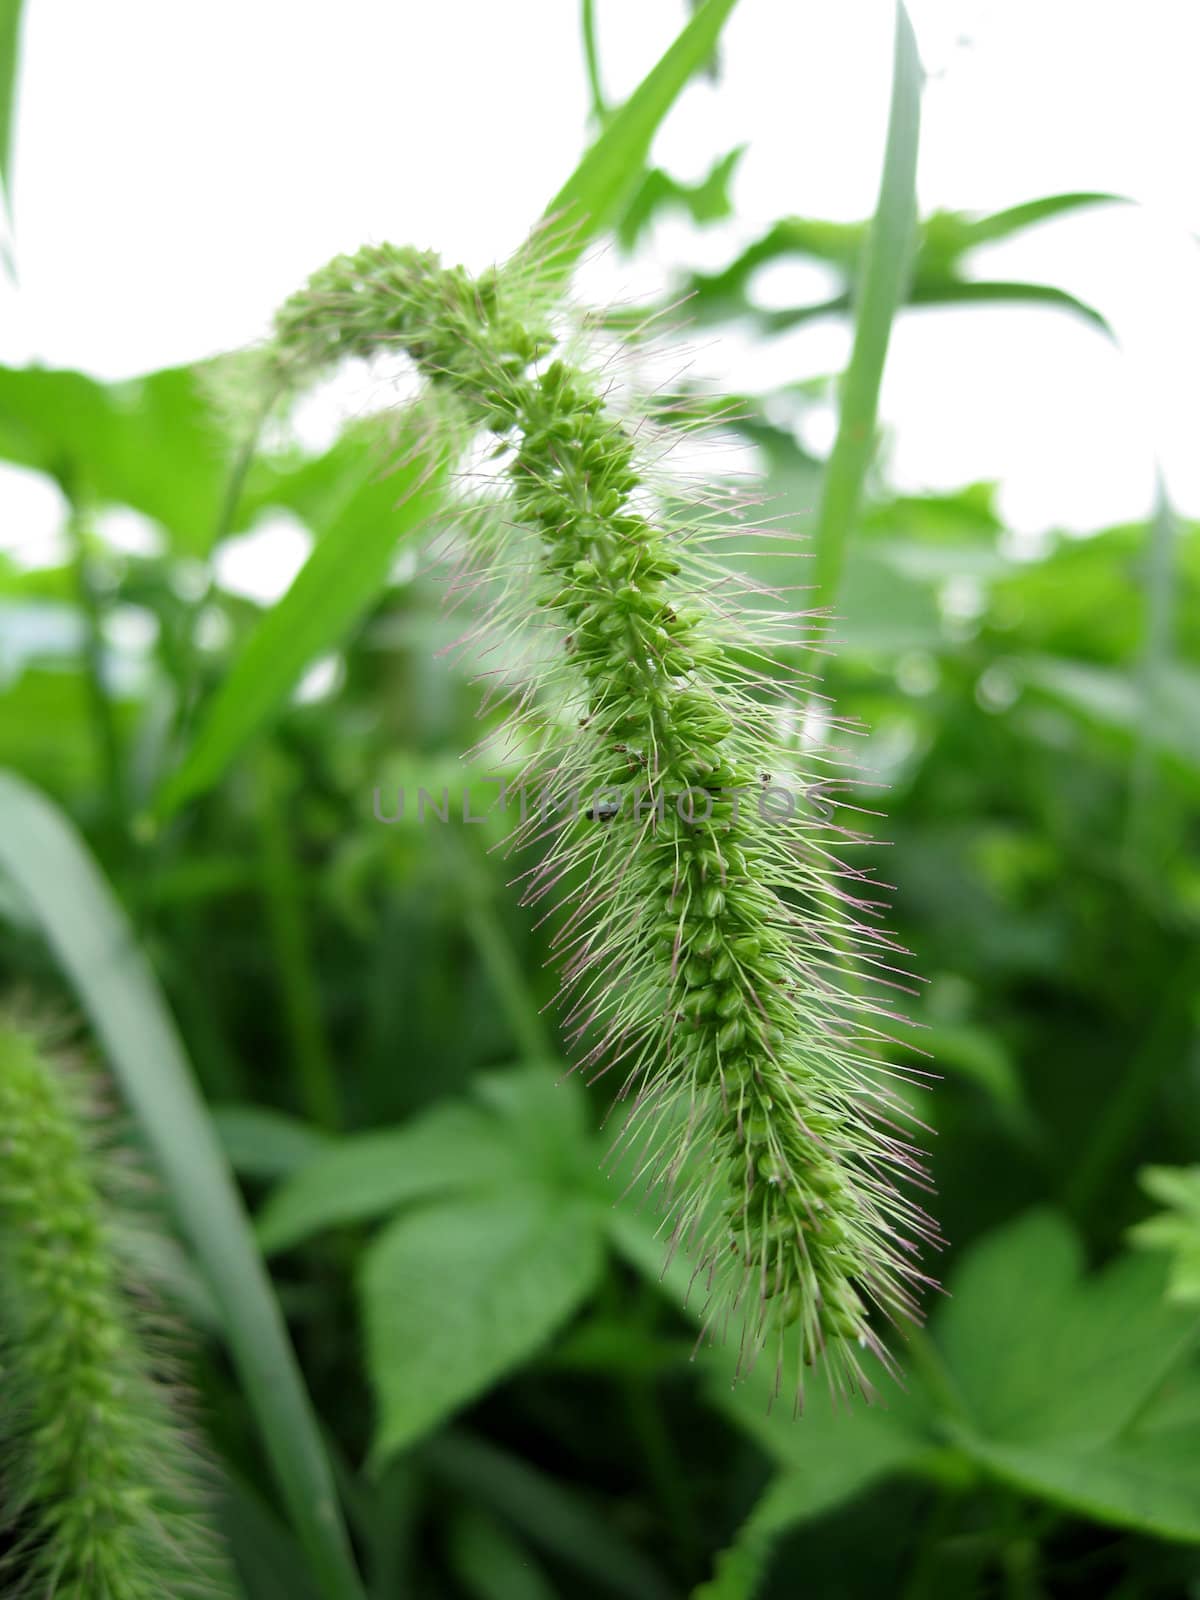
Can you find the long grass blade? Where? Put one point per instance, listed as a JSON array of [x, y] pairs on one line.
[[886, 262], [45, 858], [347, 570], [592, 197], [10, 55]]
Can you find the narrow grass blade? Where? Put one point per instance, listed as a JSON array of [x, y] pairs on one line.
[[1155, 657], [886, 262], [1003, 224], [43, 855], [10, 54], [980, 291], [592, 196], [347, 570]]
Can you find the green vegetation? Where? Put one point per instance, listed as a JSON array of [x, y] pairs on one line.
[[439, 1342]]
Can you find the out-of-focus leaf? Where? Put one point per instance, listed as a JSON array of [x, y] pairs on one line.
[[1057, 1373], [937, 276], [825, 1457], [450, 1149], [491, 1564], [1114, 699], [42, 854], [529, 1122], [705, 201], [593, 196], [1150, 1482], [882, 281], [955, 292], [547, 1512], [1175, 1231], [345, 572], [459, 1292], [1040, 1352], [881, 611], [263, 1143], [949, 235], [154, 443], [974, 1054], [10, 61], [46, 731], [270, 1566]]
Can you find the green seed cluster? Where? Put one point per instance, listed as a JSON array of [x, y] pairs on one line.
[[96, 1481], [704, 959]]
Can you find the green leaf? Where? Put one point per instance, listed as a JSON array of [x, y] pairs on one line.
[[826, 1456], [154, 443], [451, 1149], [975, 231], [459, 1293], [741, 1568], [594, 196], [529, 1121], [1041, 1352], [705, 201], [1063, 1379], [491, 1564], [1175, 1231], [982, 291], [1149, 1482], [833, 1449], [345, 572], [263, 1143], [882, 281], [1164, 712], [10, 60], [46, 859]]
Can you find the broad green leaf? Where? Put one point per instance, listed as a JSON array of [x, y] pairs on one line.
[[45, 858], [1165, 712], [1149, 1481], [10, 60], [346, 571], [451, 1149], [154, 443], [593, 196], [529, 1122], [1040, 1352], [458, 1293], [262, 1143], [46, 729], [882, 282]]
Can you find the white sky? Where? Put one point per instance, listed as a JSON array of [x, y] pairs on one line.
[[181, 167]]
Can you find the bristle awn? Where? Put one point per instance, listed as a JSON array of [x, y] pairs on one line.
[[709, 940]]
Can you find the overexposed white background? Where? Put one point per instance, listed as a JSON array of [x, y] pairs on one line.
[[180, 168]]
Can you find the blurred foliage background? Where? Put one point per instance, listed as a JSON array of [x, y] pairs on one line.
[[508, 1385]]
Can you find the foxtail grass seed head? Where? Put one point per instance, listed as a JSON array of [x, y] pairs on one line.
[[709, 947], [100, 1498]]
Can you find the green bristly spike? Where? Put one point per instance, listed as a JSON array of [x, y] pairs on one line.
[[99, 1489], [706, 942]]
